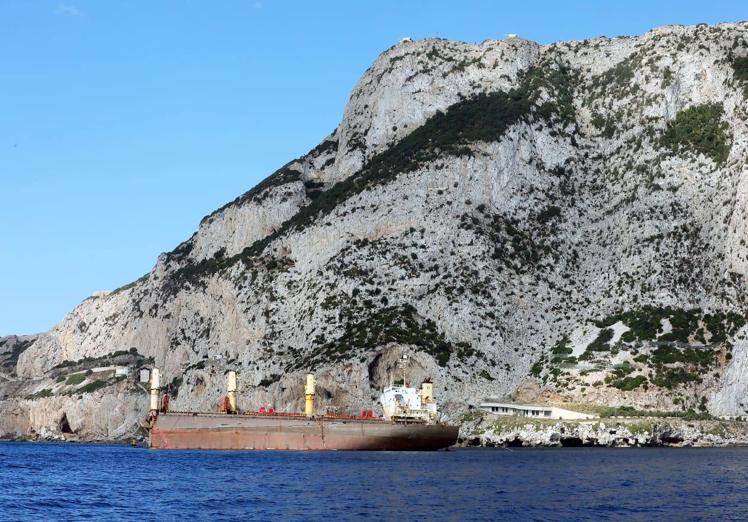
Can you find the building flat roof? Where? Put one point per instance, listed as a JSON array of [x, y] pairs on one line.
[[518, 406], [491, 403]]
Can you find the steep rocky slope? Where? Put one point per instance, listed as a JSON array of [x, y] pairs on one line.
[[477, 207]]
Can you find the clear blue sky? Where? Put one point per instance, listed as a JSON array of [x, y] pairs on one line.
[[123, 123]]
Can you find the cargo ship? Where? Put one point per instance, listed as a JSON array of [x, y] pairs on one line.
[[409, 423]]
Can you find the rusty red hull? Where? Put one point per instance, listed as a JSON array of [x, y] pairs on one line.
[[255, 432]]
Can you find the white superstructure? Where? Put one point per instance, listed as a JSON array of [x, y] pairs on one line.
[[405, 403]]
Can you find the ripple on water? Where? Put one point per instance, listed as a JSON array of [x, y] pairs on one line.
[[64, 482]]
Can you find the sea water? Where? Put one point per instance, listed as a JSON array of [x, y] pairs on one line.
[[109, 482]]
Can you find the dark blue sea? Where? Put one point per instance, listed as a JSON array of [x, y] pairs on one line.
[[100, 482]]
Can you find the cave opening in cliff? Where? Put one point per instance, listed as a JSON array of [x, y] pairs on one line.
[[64, 425]]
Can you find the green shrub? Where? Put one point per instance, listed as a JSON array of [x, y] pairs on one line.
[[378, 327], [644, 322], [562, 347], [267, 381], [700, 129], [630, 411], [740, 68], [550, 212], [694, 416], [667, 78], [92, 387], [672, 377], [40, 394], [669, 354], [601, 343], [442, 354], [104, 360], [628, 383], [472, 415], [75, 379], [620, 74]]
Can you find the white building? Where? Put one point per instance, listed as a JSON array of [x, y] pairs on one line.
[[533, 410]]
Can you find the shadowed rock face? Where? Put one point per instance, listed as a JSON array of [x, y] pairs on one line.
[[475, 204], [11, 348]]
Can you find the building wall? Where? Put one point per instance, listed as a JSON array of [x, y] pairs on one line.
[[533, 411]]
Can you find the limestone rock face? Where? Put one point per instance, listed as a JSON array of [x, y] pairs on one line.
[[94, 416], [476, 204], [411, 82], [237, 226]]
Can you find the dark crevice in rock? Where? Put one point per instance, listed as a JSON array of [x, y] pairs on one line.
[[571, 442], [63, 425]]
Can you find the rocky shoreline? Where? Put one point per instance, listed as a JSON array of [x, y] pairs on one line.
[[72, 438], [493, 431]]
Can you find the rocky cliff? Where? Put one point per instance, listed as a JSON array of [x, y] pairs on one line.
[[496, 431], [562, 221]]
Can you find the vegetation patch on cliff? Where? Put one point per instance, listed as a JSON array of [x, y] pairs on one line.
[[10, 350], [630, 411], [75, 379], [129, 357], [283, 176], [646, 323], [669, 348], [485, 117], [561, 352], [92, 386], [740, 71], [700, 129], [393, 324]]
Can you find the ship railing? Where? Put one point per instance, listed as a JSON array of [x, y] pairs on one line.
[[335, 416], [273, 414], [339, 416], [245, 413], [409, 419]]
